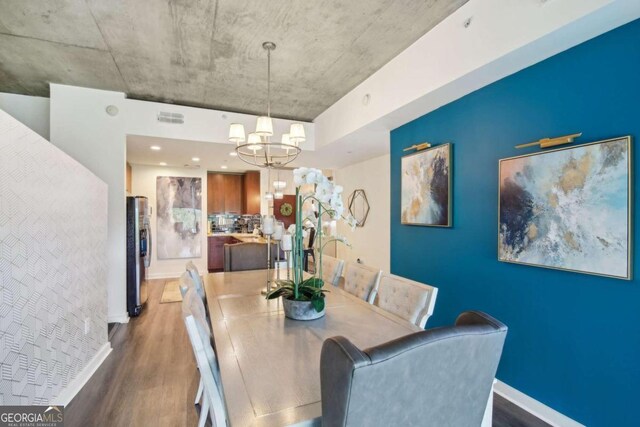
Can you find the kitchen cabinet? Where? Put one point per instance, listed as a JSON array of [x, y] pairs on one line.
[[216, 251], [215, 193], [251, 194], [233, 193]]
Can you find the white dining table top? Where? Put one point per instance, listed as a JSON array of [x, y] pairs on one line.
[[270, 365]]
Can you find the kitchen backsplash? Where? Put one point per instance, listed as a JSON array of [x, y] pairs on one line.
[[232, 223]]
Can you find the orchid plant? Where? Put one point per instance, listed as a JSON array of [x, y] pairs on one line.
[[324, 201]]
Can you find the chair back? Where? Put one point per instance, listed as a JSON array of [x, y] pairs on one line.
[[331, 269], [247, 256], [186, 283], [197, 280], [212, 387], [437, 377], [413, 301], [361, 280]]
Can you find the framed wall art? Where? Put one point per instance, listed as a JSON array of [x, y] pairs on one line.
[[568, 209], [426, 187], [179, 216]]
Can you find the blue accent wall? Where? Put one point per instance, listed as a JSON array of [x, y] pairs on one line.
[[574, 339]]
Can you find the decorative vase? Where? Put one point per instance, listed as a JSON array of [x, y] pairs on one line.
[[300, 310]]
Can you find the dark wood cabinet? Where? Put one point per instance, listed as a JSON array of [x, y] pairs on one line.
[[233, 193], [215, 193], [251, 193], [216, 251], [225, 193]]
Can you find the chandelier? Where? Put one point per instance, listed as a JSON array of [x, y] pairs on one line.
[[257, 148]]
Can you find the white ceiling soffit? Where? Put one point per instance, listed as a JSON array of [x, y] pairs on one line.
[[455, 58]]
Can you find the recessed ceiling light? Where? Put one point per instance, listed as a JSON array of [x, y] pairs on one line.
[[233, 153], [155, 148], [223, 167], [195, 159], [163, 164]]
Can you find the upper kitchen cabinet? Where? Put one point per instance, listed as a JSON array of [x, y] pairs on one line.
[[215, 193], [233, 193], [252, 192]]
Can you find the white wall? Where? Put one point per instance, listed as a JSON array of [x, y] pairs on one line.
[[32, 111], [53, 269], [81, 127], [370, 243], [144, 184]]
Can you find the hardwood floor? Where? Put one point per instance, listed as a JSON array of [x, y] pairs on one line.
[[150, 378]]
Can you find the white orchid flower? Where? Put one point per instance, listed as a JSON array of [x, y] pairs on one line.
[[300, 176], [351, 221]]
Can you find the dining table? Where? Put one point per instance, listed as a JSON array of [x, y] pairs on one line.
[[270, 364]]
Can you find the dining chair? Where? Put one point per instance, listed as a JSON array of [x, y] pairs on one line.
[[361, 280], [197, 279], [192, 306], [185, 282], [331, 269], [247, 256], [213, 404], [309, 251], [413, 301], [436, 377]]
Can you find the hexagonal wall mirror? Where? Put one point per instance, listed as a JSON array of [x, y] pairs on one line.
[[359, 207]]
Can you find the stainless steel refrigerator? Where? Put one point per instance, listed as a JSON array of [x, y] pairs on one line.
[[138, 252]]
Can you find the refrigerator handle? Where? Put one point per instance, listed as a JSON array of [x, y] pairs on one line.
[[147, 259]]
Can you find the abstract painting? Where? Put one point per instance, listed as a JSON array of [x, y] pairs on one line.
[[179, 216], [426, 187], [568, 209]]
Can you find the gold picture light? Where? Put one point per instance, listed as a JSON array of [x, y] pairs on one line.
[[551, 142], [419, 146]]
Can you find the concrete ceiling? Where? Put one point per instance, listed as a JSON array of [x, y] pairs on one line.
[[208, 53]]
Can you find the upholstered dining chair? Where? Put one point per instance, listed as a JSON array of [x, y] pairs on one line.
[[185, 282], [197, 279], [192, 306], [331, 269], [413, 301], [247, 256], [213, 404], [361, 280], [437, 377]]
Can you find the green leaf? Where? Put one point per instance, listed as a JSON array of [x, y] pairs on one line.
[[280, 292], [318, 303], [313, 282]]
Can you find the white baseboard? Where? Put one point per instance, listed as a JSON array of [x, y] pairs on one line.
[[531, 405], [165, 275], [118, 318], [70, 391]]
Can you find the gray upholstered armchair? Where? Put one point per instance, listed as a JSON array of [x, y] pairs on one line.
[[247, 256], [437, 377]]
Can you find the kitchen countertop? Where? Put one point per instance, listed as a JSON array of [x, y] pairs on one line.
[[243, 237]]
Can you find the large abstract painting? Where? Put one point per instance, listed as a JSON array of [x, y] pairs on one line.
[[179, 213], [426, 187], [568, 209]]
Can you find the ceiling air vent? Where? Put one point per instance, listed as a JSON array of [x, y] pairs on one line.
[[166, 117]]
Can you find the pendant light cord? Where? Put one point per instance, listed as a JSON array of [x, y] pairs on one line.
[[268, 82]]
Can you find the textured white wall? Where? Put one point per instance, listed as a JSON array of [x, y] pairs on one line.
[[370, 243], [144, 184], [32, 111], [53, 233]]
